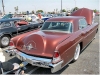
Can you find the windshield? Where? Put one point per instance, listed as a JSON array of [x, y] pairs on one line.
[[57, 26]]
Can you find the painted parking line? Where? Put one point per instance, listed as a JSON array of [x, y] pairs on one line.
[[33, 70]]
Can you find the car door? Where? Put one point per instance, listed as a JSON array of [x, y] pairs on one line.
[[85, 31], [7, 28]]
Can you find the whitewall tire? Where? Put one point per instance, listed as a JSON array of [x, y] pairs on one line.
[[4, 41], [77, 52]]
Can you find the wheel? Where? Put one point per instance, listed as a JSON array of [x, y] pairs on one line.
[[95, 36], [77, 52], [96, 33], [4, 41]]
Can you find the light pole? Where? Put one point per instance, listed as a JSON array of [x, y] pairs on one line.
[[75, 3], [61, 6], [35, 9], [3, 7]]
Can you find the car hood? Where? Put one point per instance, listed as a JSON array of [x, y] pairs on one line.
[[43, 43], [87, 13]]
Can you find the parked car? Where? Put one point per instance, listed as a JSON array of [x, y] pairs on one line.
[[32, 17], [12, 27], [58, 42], [44, 18], [7, 16], [97, 13]]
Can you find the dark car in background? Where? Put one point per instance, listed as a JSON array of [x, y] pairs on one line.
[[7, 16], [12, 27]]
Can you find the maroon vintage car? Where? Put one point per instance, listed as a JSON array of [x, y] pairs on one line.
[[58, 42]]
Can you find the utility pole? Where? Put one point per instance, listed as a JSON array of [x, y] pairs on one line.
[[3, 8], [75, 3], [61, 6]]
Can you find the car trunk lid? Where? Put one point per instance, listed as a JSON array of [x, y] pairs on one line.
[[41, 43]]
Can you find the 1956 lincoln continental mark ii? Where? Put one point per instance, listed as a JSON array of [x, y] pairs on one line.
[[58, 42]]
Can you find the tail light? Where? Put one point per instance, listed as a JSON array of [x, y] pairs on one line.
[[56, 57], [11, 43]]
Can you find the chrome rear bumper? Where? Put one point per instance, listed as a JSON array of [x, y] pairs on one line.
[[36, 61]]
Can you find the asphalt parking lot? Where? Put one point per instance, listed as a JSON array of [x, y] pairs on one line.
[[88, 62]]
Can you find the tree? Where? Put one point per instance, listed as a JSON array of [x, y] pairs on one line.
[[63, 10], [16, 9], [74, 9], [52, 12], [9, 12], [27, 12], [49, 12], [23, 13], [15, 13], [95, 11], [0, 12], [20, 13], [56, 10], [41, 11], [32, 11]]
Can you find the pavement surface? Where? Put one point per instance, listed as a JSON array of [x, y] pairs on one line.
[[88, 62]]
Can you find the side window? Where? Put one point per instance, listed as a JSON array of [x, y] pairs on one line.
[[6, 25], [12, 23], [71, 28], [82, 23]]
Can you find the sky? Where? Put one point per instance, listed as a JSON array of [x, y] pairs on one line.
[[47, 5]]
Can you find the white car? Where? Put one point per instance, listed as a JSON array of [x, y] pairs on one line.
[[32, 17]]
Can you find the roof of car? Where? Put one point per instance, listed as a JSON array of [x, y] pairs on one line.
[[10, 19], [65, 18]]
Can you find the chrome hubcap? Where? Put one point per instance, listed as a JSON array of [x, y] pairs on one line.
[[77, 52], [5, 41]]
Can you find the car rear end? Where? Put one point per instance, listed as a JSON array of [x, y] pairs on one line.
[[55, 62]]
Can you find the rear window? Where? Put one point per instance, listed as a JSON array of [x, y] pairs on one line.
[[82, 23], [57, 26]]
